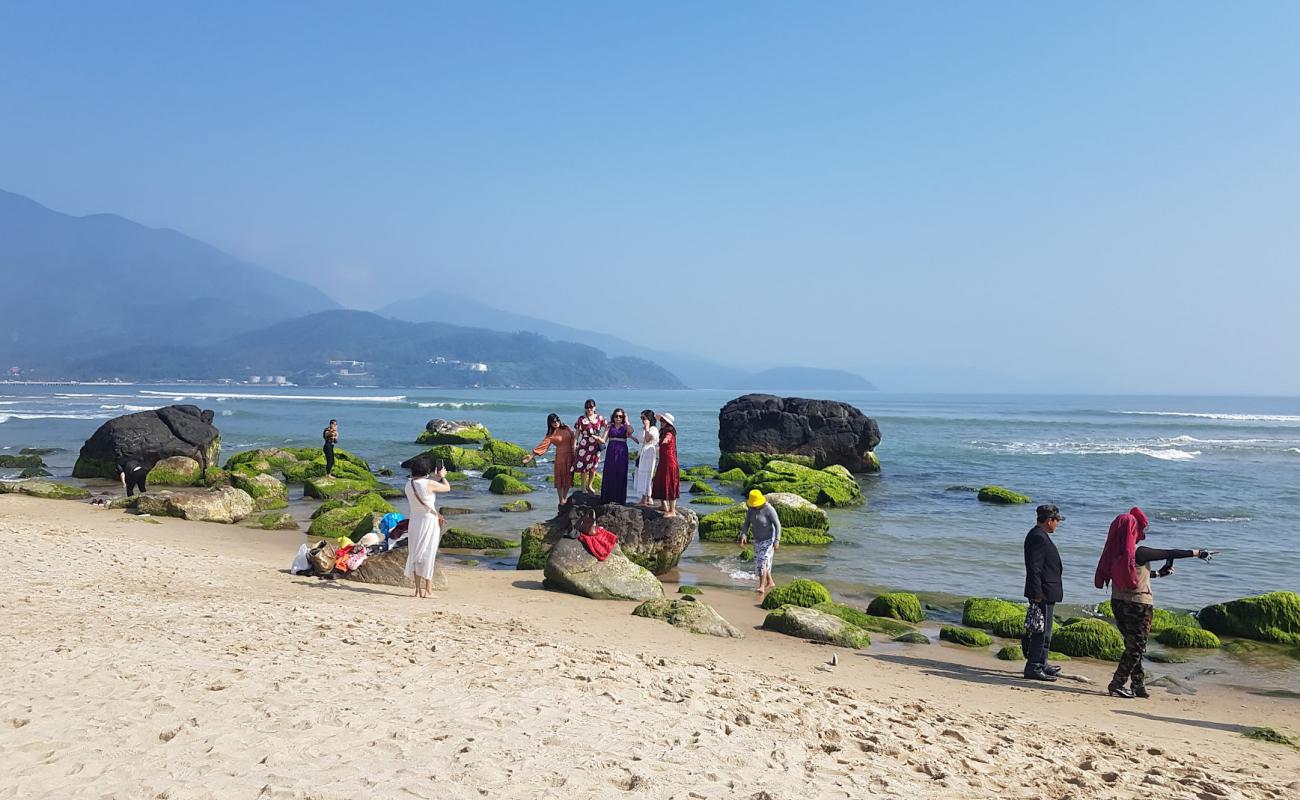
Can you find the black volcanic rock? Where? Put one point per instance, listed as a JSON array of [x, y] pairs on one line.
[[825, 431], [149, 437]]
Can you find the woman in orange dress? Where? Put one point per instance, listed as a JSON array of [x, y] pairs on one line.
[[561, 436]]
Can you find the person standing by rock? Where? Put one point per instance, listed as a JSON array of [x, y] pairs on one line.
[[762, 519], [132, 475], [1043, 589], [331, 436], [561, 437], [424, 531], [668, 475], [1123, 565], [613, 481], [588, 429], [647, 459]]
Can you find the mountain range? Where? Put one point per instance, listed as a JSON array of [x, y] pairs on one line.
[[102, 296]]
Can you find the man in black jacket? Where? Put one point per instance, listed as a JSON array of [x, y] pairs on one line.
[[1043, 590]]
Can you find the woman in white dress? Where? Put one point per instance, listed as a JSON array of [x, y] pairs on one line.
[[648, 458], [425, 527]]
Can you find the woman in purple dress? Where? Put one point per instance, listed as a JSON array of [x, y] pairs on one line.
[[613, 481]]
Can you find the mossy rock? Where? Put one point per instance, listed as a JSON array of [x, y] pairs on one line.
[[863, 620], [799, 592], [504, 454], [1161, 619], [1052, 655], [747, 554], [966, 637], [338, 522], [515, 506], [216, 477], [532, 547], [20, 461], [1000, 496], [694, 591], [897, 605], [807, 623], [1272, 617], [1166, 658], [749, 463], [175, 471], [35, 472], [712, 500], [982, 612], [700, 472], [38, 451], [48, 490], [834, 486], [124, 502], [274, 521], [470, 434], [1089, 638], [1008, 627], [732, 476], [94, 468], [370, 502], [794, 512], [507, 484], [1011, 652], [1184, 637], [700, 487], [267, 492], [913, 637], [1270, 735], [456, 458], [325, 487], [514, 472], [457, 539]]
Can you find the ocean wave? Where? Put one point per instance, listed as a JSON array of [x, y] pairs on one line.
[[1192, 515], [1085, 448], [452, 404], [128, 407], [1291, 418], [396, 398], [5, 417]]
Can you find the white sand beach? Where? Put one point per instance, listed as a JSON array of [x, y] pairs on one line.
[[180, 660]]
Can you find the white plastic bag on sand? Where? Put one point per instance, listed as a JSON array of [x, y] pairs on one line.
[[300, 562]]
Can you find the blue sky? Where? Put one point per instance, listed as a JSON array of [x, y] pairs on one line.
[[1092, 196]]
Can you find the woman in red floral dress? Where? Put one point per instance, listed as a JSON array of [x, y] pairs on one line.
[[586, 458], [668, 476]]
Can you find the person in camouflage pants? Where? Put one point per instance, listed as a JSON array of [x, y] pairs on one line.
[[1134, 621]]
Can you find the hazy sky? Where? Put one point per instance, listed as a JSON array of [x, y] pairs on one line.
[[1103, 194]]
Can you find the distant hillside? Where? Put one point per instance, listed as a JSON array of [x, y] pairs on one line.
[[99, 283], [696, 372], [393, 352]]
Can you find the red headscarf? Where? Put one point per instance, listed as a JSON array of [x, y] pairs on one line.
[[1118, 562]]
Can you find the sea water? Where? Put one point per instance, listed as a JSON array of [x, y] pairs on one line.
[[1211, 472]]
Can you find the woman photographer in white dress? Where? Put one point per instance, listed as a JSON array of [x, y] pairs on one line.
[[648, 458], [425, 527]]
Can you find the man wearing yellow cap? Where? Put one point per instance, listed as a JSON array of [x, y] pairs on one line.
[[762, 518]]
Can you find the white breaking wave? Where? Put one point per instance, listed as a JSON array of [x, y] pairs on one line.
[[450, 404], [39, 415], [1091, 449], [127, 407], [1227, 417], [396, 398], [1295, 450]]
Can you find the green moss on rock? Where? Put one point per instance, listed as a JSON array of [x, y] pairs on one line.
[[274, 521], [1089, 638], [712, 500], [472, 434], [457, 459], [799, 592], [1161, 619], [897, 605], [20, 462], [801, 522], [1009, 627], [507, 484], [94, 468], [504, 454], [532, 547], [1183, 637], [807, 623], [515, 506], [1001, 496], [967, 637], [458, 539], [982, 612], [1272, 617], [834, 486], [700, 487], [694, 591], [324, 487], [48, 490], [495, 470], [701, 472], [267, 492], [1011, 652], [749, 463], [913, 637], [863, 620], [732, 476]]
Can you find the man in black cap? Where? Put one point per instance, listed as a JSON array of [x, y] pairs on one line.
[[1043, 589]]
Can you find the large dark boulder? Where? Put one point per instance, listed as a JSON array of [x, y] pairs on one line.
[[645, 535], [149, 437], [757, 427]]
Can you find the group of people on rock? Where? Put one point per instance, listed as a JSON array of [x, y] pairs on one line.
[[578, 450], [1124, 566]]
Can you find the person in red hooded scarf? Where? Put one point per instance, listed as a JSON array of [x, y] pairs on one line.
[[1124, 566]]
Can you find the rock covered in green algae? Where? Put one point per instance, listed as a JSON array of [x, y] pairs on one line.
[[817, 626], [898, 605], [695, 617], [1001, 496], [798, 592], [1272, 617], [967, 637]]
